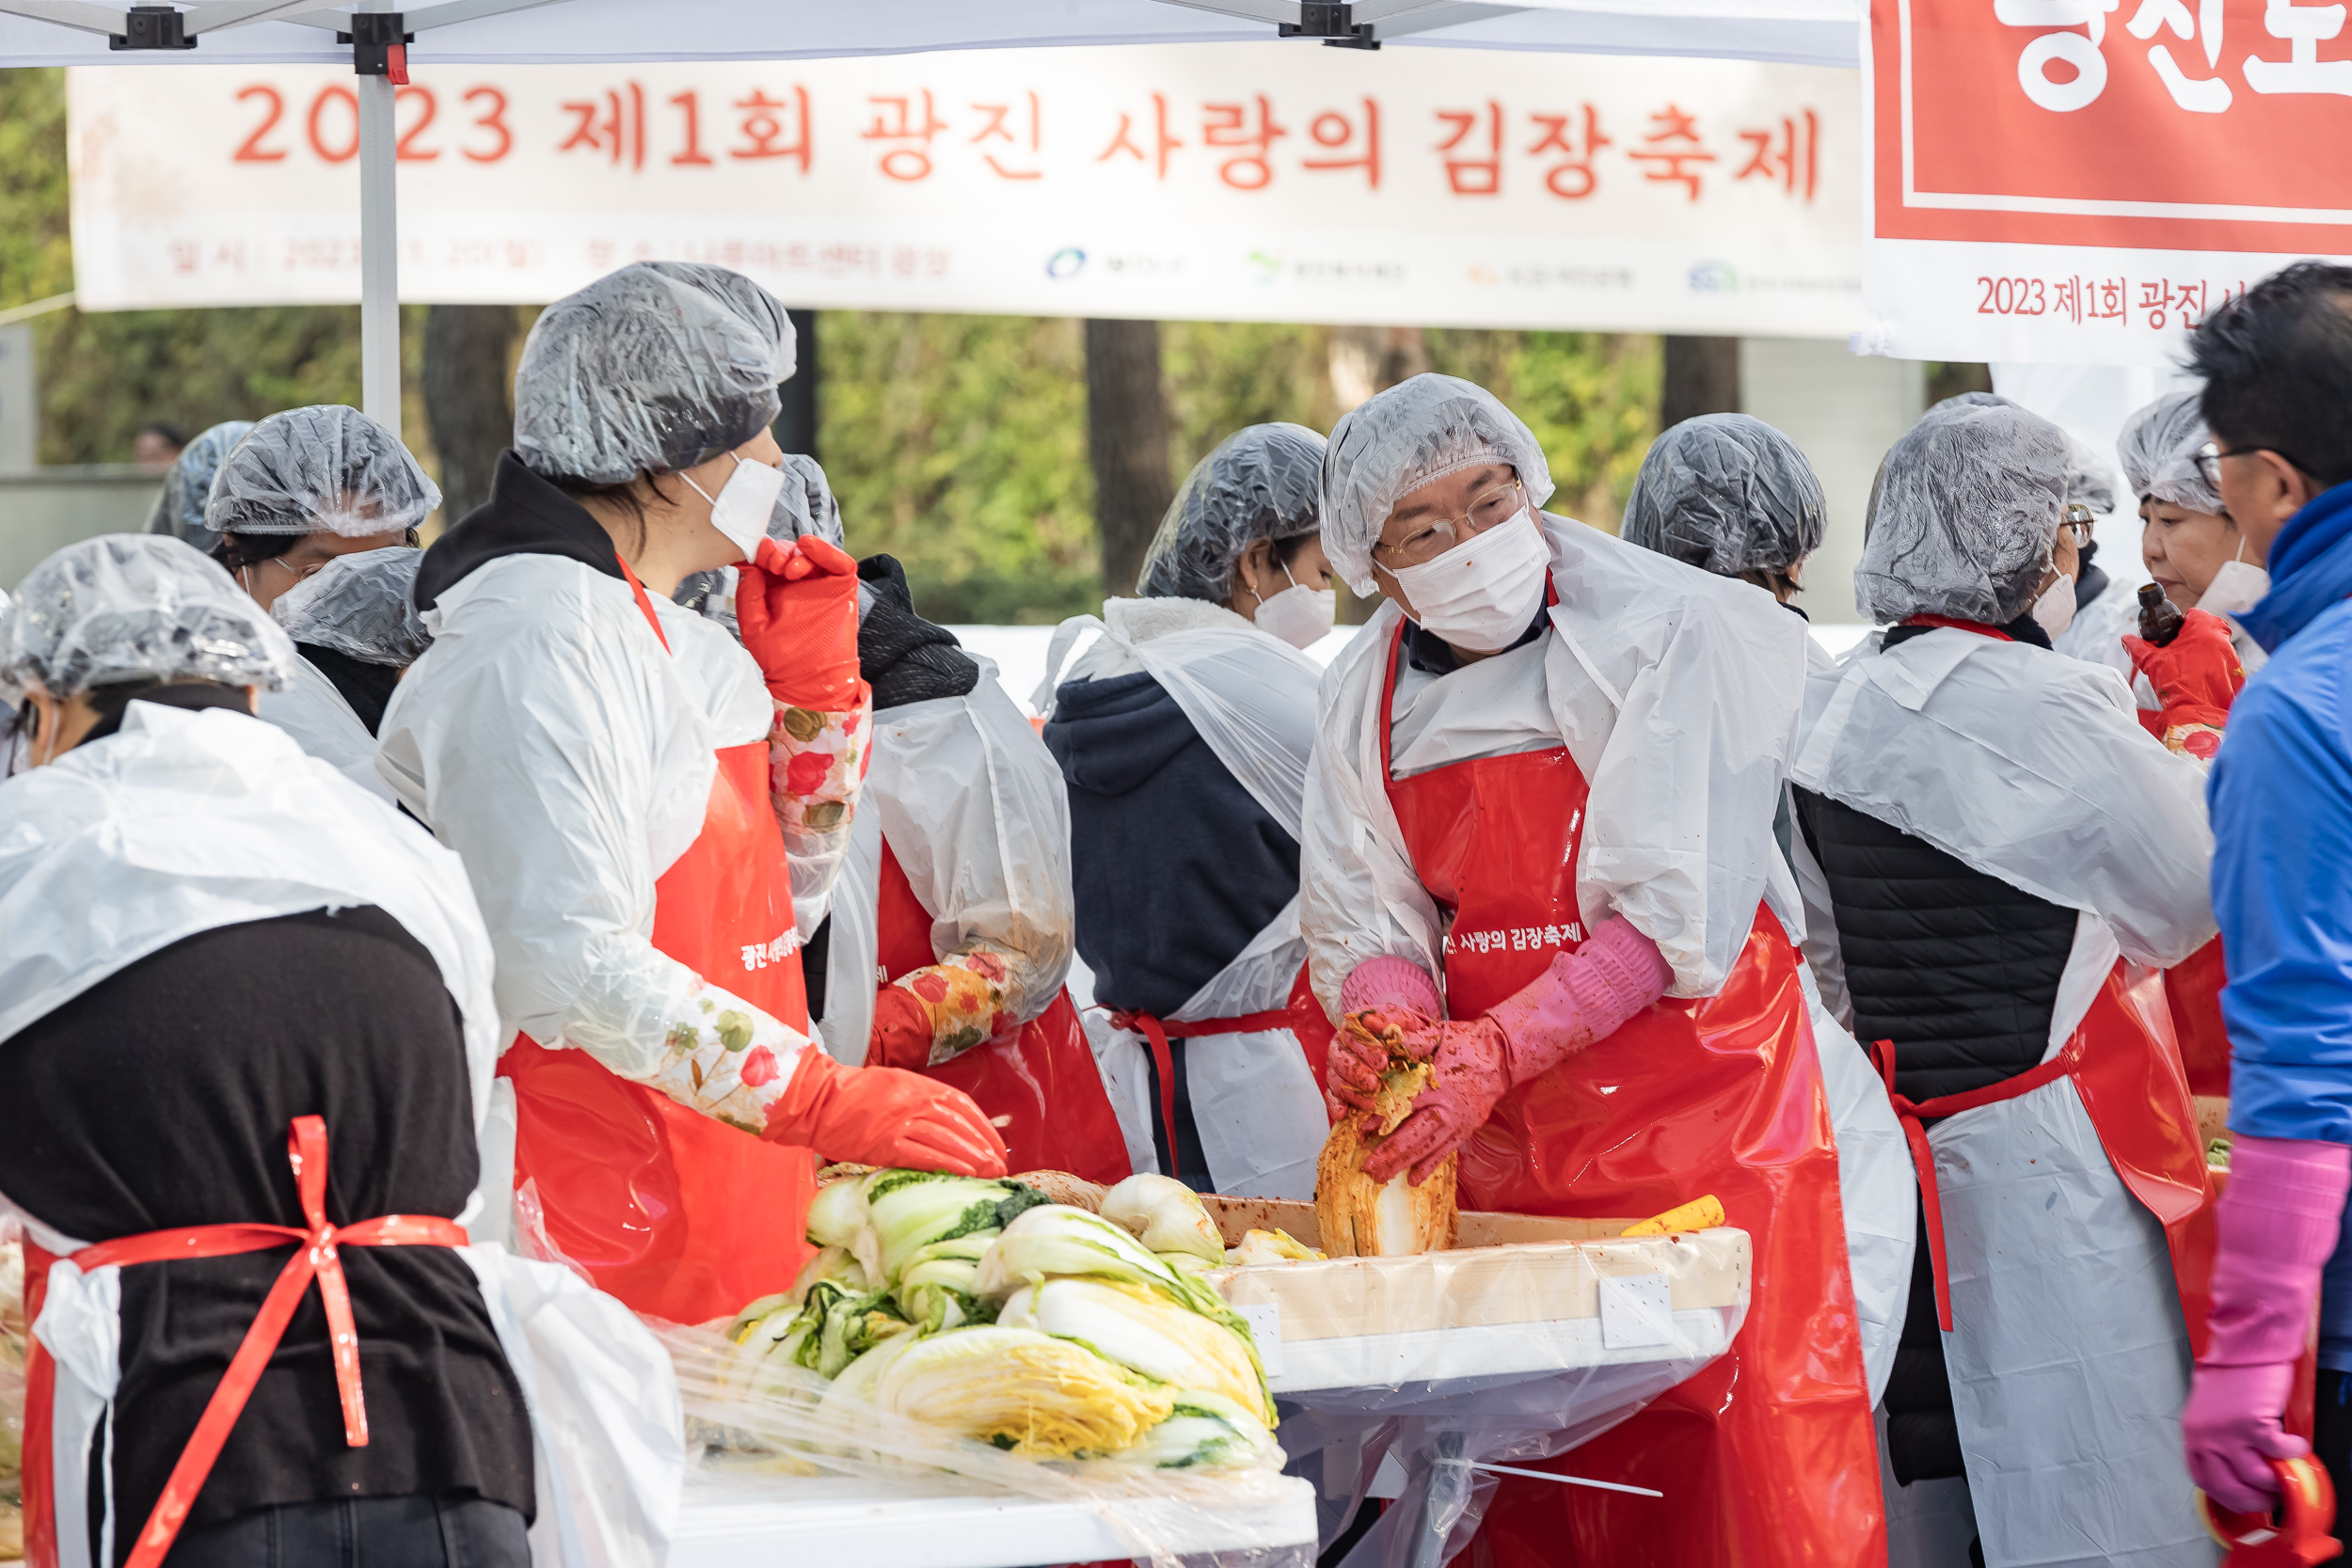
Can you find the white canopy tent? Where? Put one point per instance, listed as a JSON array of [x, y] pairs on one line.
[[535, 32]]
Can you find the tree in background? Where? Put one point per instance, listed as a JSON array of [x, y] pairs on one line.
[[469, 356], [1126, 445]]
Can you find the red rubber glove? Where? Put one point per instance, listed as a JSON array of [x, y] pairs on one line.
[[2277, 1222], [1584, 996], [901, 1036], [797, 608], [2195, 679], [879, 1115]]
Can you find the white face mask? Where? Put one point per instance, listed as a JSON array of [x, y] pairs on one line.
[[741, 508], [1299, 615], [2237, 587], [1482, 593], [2054, 611]]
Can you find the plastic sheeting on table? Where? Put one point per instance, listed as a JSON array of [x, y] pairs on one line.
[[1514, 1349], [780, 1466]]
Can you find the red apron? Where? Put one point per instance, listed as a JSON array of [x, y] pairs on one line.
[[315, 1258], [1301, 1013], [2192, 993], [1767, 1456], [1040, 1086], [680, 1216]]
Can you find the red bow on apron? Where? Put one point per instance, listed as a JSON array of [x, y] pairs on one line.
[[1767, 1455], [1302, 1015], [1040, 1087], [316, 1257], [680, 1216]]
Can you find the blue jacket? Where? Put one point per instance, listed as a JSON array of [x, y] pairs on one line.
[[2280, 795]]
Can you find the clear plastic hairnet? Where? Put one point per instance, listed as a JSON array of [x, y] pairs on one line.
[[1398, 440], [1965, 515], [2159, 447], [323, 469], [2088, 479], [805, 505], [1264, 482], [180, 509], [657, 366], [1726, 494], [362, 605], [128, 607]]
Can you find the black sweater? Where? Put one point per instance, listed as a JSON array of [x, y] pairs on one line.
[[161, 1098]]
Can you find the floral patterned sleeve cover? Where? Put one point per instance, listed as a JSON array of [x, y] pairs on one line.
[[966, 999], [816, 763], [727, 1059]]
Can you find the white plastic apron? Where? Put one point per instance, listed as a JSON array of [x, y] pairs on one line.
[[1254, 1097], [2068, 1356], [608, 1455], [324, 724]]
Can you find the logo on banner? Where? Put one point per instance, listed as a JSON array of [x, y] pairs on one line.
[[1066, 263]]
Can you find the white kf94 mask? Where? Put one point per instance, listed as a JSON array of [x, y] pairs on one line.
[[744, 503], [1299, 615], [1482, 593]]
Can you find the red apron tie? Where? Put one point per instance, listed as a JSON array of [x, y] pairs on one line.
[[1916, 1113], [316, 1256], [1159, 1031]]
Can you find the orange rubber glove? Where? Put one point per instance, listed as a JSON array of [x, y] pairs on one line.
[[879, 1115], [797, 608], [902, 1031], [2195, 679]]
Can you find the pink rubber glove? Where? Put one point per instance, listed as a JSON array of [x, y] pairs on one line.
[[1584, 996], [1380, 999], [2277, 1221]]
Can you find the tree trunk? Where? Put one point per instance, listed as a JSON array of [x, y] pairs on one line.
[[1367, 359], [796, 423], [1127, 444], [1702, 377], [468, 398]]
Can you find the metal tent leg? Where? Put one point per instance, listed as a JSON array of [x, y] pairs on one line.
[[379, 255]]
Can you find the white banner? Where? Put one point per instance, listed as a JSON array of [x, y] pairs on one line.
[[2080, 181], [1217, 182]]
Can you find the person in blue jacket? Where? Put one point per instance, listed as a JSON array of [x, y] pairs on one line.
[[2277, 398]]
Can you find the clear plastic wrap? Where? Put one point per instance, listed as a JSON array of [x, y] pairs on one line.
[[783, 1436], [180, 505], [1727, 494], [1511, 1349]]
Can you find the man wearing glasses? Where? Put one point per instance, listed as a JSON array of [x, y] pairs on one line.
[[1545, 779], [2277, 398]]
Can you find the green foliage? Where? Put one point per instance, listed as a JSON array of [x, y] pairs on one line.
[[957, 444]]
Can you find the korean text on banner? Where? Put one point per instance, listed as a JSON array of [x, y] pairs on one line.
[[1220, 181], [2082, 181]]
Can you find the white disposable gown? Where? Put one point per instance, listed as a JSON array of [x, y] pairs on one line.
[[323, 724], [1251, 698], [2069, 1359], [186, 821]]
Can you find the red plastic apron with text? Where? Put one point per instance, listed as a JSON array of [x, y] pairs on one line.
[[1767, 1456], [1040, 1086], [680, 1216]]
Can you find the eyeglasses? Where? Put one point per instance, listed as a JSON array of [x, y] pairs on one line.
[[2210, 457], [1497, 506], [2079, 522]]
